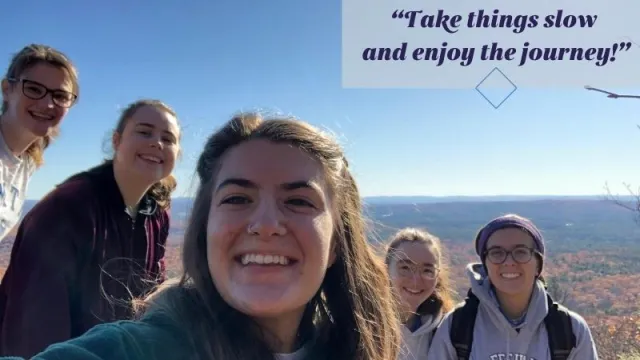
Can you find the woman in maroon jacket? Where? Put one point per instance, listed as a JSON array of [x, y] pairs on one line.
[[95, 241]]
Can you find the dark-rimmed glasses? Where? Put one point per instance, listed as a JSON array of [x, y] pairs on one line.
[[521, 254], [36, 91]]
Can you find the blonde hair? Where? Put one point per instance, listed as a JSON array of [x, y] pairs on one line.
[[25, 59], [442, 299], [352, 316]]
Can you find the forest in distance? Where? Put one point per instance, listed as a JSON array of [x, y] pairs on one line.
[[593, 250], [593, 245]]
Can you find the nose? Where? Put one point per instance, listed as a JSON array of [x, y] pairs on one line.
[[267, 220], [49, 101], [509, 260], [156, 141], [416, 279]]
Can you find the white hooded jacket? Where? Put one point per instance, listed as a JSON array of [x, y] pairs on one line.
[[415, 344]]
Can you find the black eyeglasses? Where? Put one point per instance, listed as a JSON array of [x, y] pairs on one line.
[[521, 255], [36, 91]]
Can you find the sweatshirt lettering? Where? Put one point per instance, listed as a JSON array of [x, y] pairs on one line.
[[9, 199], [510, 356]]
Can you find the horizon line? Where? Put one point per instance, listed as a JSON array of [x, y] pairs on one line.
[[539, 196]]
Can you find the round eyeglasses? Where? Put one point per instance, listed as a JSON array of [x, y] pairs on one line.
[[36, 91], [410, 270], [521, 255]]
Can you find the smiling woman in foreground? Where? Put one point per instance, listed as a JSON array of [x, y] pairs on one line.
[[276, 263]]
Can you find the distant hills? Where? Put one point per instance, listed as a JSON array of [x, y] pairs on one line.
[[493, 198], [182, 203], [568, 222]]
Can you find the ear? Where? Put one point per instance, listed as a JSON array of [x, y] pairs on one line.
[[332, 253], [115, 140], [5, 89]]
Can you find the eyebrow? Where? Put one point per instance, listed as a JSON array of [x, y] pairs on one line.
[[513, 247], [406, 261], [251, 185], [41, 84], [149, 125]]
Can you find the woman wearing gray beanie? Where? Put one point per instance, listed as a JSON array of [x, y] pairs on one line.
[[508, 313]]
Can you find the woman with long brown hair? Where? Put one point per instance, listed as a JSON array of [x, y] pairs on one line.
[[94, 242], [276, 261]]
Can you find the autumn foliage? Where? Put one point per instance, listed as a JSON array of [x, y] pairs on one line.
[[603, 287], [616, 338]]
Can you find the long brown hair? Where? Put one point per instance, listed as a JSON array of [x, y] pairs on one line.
[[25, 59], [442, 299], [160, 191], [352, 316]]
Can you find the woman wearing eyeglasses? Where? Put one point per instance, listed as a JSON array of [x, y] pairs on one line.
[[420, 278], [508, 313], [40, 86]]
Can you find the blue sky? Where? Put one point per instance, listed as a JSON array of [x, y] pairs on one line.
[[210, 59]]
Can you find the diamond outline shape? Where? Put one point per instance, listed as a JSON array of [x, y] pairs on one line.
[[506, 97]]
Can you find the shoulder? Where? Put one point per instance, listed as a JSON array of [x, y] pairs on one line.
[[71, 202], [441, 345], [581, 336], [578, 323], [444, 325], [73, 193], [580, 327], [79, 189], [161, 218], [585, 347], [163, 214], [76, 188], [30, 166], [122, 340]]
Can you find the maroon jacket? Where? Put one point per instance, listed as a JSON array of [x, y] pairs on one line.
[[77, 259]]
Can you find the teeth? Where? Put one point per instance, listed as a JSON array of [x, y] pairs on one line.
[[40, 115], [413, 291], [264, 259], [150, 158], [510, 275]]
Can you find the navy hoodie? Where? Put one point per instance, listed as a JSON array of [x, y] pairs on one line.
[[77, 260]]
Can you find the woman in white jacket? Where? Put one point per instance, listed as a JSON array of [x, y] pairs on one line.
[[420, 278], [508, 313], [39, 87]]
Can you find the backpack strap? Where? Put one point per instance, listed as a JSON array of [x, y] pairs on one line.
[[562, 340], [463, 320]]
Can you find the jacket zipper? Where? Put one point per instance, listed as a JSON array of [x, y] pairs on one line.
[[133, 232], [148, 262]]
